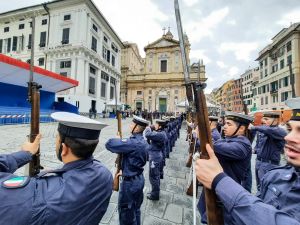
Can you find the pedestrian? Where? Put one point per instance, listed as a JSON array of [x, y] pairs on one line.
[[278, 200], [77, 193], [269, 144], [234, 153], [134, 157]]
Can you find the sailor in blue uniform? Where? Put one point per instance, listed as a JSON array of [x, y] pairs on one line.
[[134, 157], [78, 193], [269, 145], [233, 152], [167, 144], [157, 138], [278, 200]]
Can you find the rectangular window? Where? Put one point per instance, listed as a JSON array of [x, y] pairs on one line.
[[67, 17], [44, 21], [281, 64], [43, 39], [21, 26], [92, 85], [163, 66], [103, 89], [105, 39], [289, 60], [8, 45], [113, 60], [6, 29], [15, 44], [41, 61], [65, 64], [285, 81], [289, 46], [94, 44], [266, 61], [113, 47], [266, 100], [284, 96], [176, 92], [95, 28], [112, 92], [29, 42], [108, 56], [104, 76], [113, 81], [93, 70], [65, 36], [266, 72], [104, 52], [1, 45], [150, 92], [262, 100], [139, 92]]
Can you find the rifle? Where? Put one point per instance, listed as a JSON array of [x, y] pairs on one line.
[[191, 151], [119, 157], [34, 99], [214, 212]]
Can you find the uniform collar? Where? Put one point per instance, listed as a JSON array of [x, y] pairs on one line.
[[68, 166]]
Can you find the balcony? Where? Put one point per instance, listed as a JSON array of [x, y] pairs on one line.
[[274, 91]]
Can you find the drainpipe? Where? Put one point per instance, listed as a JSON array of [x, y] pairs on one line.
[[47, 10]]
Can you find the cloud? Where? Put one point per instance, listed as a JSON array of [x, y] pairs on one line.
[[195, 55], [233, 71], [198, 29], [135, 20], [290, 17], [221, 64], [231, 22], [242, 50], [190, 2]]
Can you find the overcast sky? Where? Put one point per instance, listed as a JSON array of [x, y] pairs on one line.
[[226, 34]]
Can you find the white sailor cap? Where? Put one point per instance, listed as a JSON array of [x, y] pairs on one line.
[[76, 126], [140, 121], [213, 118], [294, 104], [240, 118], [161, 122], [271, 114]]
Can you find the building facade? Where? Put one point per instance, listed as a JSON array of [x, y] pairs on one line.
[[71, 38], [159, 84], [249, 80], [279, 65], [131, 63]]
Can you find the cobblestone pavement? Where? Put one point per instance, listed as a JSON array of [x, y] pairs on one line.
[[174, 206]]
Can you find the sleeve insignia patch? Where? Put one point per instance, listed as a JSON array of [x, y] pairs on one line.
[[16, 182]]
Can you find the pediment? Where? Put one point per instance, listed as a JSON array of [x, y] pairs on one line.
[[162, 43]]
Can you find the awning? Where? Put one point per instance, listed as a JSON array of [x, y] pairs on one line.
[[16, 72]]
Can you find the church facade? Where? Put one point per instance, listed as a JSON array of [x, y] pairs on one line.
[[158, 84]]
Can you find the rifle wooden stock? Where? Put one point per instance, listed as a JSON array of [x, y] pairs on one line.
[[34, 165], [214, 212], [116, 182]]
